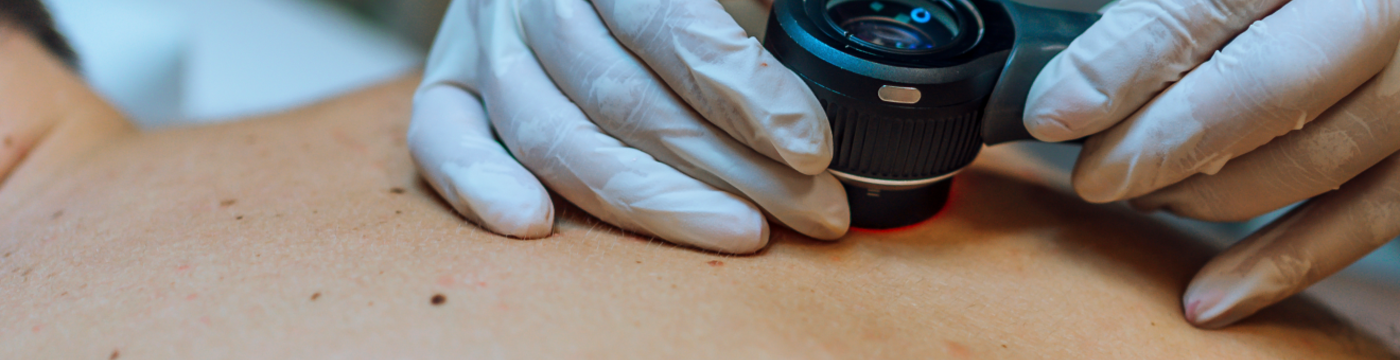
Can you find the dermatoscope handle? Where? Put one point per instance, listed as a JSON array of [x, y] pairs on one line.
[[1040, 35]]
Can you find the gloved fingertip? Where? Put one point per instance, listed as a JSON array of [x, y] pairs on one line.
[[1063, 105], [832, 222], [748, 243], [1097, 185], [503, 198], [800, 140], [810, 163], [1213, 303], [1049, 129], [747, 236], [530, 225], [832, 233], [831, 230], [1251, 275]]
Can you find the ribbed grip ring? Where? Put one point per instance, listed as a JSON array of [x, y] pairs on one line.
[[902, 148]]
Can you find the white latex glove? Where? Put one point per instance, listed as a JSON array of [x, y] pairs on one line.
[[659, 116], [1224, 110]]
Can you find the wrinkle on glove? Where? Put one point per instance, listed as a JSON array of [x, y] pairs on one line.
[[621, 96], [726, 76]]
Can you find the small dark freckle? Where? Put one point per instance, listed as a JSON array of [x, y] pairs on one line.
[[438, 299], [1003, 346], [56, 215], [315, 212], [27, 271], [763, 64], [240, 217], [396, 191], [639, 261], [257, 255], [7, 254], [115, 355], [396, 212], [9, 141], [228, 202], [1154, 323], [315, 296], [715, 263]]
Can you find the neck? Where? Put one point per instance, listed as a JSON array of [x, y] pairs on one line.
[[48, 115]]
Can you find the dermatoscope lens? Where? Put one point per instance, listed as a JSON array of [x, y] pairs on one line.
[[899, 25]]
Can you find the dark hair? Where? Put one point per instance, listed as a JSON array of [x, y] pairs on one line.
[[30, 16]]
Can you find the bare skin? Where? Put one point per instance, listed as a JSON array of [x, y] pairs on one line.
[[309, 235]]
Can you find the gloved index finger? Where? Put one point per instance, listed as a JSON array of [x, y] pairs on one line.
[[1310, 243], [1119, 64], [450, 141], [726, 76]]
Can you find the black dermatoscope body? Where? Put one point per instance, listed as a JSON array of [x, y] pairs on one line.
[[914, 88]]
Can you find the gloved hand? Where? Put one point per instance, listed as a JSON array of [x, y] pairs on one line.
[[1225, 110], [659, 116]]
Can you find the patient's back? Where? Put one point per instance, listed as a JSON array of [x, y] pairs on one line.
[[309, 235]]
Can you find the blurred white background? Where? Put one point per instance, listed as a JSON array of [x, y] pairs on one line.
[[173, 62], [168, 62]]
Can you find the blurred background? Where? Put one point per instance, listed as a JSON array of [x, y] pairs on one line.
[[177, 62], [169, 62]]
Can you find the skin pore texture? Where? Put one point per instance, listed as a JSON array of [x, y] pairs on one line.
[[310, 235]]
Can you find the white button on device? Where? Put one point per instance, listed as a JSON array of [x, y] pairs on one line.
[[899, 94]]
